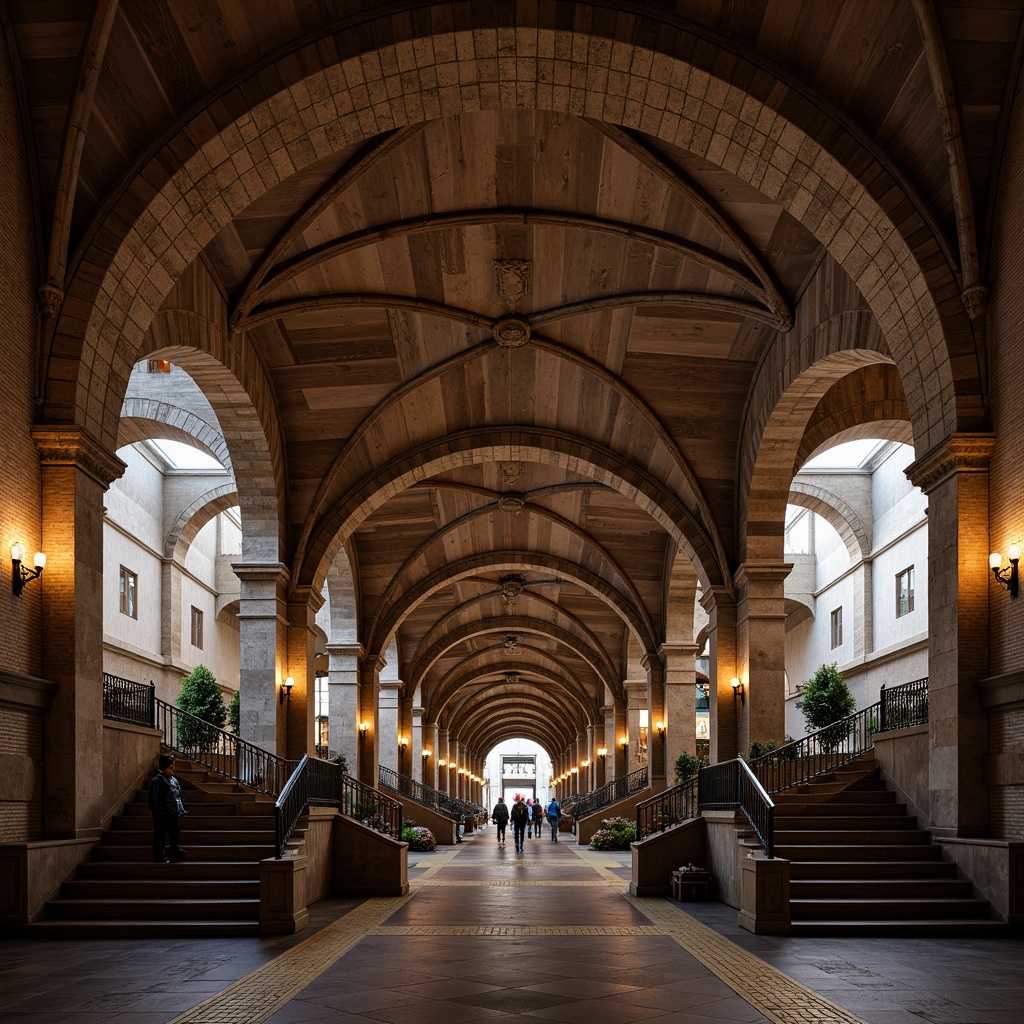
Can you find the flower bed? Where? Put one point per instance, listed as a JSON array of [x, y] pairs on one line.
[[614, 834], [418, 837]]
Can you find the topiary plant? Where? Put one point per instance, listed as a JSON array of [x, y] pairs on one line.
[[826, 699], [200, 696], [686, 767], [235, 710]]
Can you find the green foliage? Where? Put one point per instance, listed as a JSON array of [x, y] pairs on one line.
[[614, 834], [419, 838], [758, 748], [826, 699], [200, 696], [686, 767], [342, 761], [235, 710]]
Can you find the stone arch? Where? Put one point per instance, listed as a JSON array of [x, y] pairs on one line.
[[792, 150], [389, 617], [838, 513], [344, 599], [681, 583], [145, 418], [195, 516], [219, 364]]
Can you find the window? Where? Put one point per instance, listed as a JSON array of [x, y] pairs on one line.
[[837, 628], [197, 628], [129, 592], [904, 592]]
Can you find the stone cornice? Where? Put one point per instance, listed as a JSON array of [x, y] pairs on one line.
[[1002, 692], [68, 445], [958, 453], [26, 693], [762, 572]]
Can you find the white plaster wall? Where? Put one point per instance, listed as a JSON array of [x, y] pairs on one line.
[[831, 555], [912, 550], [895, 501]]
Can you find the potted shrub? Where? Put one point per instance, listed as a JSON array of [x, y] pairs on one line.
[[826, 699]]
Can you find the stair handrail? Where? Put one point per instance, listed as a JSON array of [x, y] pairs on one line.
[[125, 700], [611, 792], [323, 783], [669, 807], [436, 800]]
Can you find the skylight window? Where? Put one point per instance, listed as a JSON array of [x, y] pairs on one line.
[[851, 455], [184, 456]]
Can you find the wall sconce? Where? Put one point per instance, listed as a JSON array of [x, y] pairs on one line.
[[737, 690], [452, 766], [19, 574], [286, 690], [660, 726], [403, 744], [574, 771], [425, 754], [363, 727], [584, 764], [442, 763], [1008, 576], [602, 752], [624, 741]]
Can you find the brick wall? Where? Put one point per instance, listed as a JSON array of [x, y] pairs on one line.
[[21, 739], [1006, 737]]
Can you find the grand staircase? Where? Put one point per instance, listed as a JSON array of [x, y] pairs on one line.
[[861, 866], [122, 892]]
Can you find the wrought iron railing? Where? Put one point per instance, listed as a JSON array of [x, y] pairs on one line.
[[669, 807], [443, 803], [737, 785], [325, 784], [611, 792], [127, 701], [827, 749]]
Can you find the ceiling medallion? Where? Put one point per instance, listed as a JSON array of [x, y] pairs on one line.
[[511, 332], [511, 643], [511, 678], [510, 472], [512, 503], [511, 588]]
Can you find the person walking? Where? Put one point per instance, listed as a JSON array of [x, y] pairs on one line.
[[500, 818], [167, 807], [537, 816], [554, 812], [520, 816]]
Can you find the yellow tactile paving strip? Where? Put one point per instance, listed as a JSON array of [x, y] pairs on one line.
[[259, 995]]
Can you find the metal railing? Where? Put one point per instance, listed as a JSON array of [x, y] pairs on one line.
[[669, 807], [443, 803], [127, 701], [735, 785], [611, 792], [325, 784], [827, 749]]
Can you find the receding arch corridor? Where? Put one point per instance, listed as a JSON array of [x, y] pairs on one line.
[[484, 933]]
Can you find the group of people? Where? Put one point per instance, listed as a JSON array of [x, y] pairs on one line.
[[526, 816]]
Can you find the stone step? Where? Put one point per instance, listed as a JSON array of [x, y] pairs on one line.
[[833, 809], [192, 836], [198, 822], [867, 889], [871, 869], [224, 808], [156, 887], [163, 910], [235, 852], [143, 928], [851, 837], [813, 821], [192, 869], [903, 909], [860, 928], [817, 851]]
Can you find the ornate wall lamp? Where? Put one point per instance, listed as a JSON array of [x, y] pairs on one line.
[[286, 690], [442, 763], [623, 741], [660, 726], [20, 575], [403, 745], [363, 729], [737, 690], [1008, 576], [425, 754], [602, 752], [585, 764]]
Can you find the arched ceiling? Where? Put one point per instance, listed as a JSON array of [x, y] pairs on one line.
[[585, 287]]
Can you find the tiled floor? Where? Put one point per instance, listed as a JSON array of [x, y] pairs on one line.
[[548, 935]]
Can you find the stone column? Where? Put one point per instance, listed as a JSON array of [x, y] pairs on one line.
[[430, 763], [299, 708], [954, 475], [619, 750], [387, 718], [442, 755], [262, 625], [369, 715], [723, 707], [863, 620], [343, 701], [680, 703], [656, 753], [761, 642], [170, 611], [416, 745], [636, 701], [75, 473]]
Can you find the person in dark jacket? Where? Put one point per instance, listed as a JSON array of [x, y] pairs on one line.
[[520, 815], [166, 806], [500, 818], [554, 813]]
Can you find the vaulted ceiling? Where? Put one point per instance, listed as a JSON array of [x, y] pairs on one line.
[[558, 311]]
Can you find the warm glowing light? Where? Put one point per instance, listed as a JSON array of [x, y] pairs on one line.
[[602, 751], [995, 560]]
